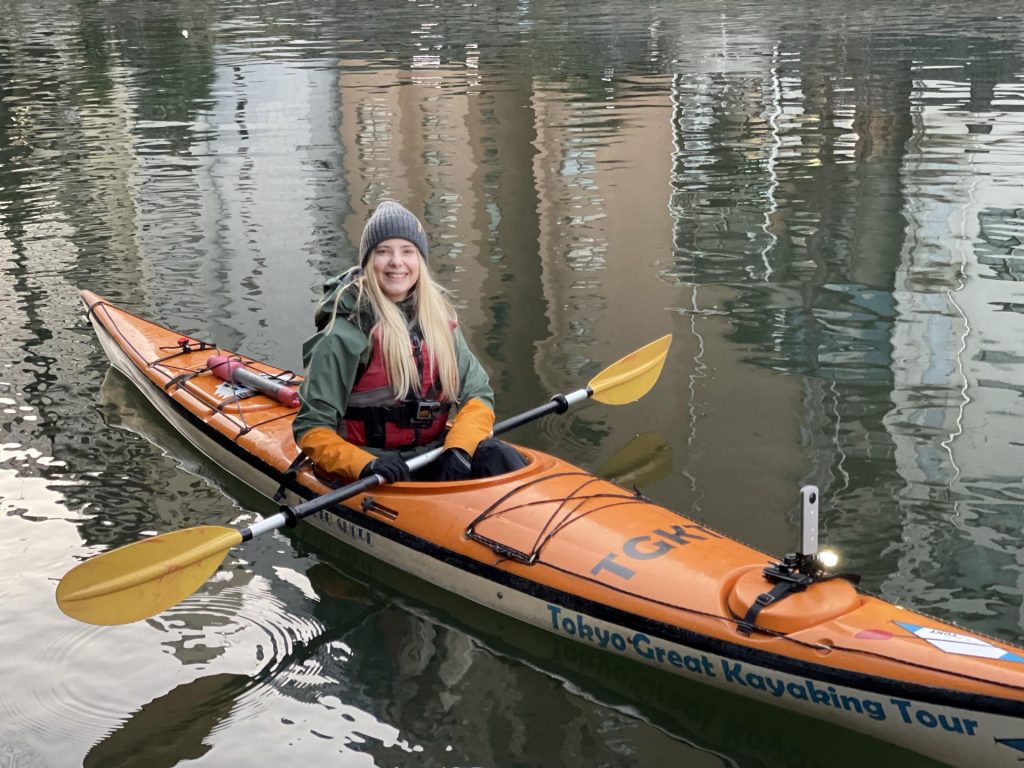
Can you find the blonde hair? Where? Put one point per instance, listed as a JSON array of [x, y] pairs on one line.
[[435, 317]]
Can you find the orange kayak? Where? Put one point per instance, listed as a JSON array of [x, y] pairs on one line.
[[561, 549]]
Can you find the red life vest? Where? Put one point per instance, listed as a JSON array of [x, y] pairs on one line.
[[374, 417]]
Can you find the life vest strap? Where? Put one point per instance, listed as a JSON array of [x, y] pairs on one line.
[[408, 414]]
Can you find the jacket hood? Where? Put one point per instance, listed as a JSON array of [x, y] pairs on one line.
[[341, 289]]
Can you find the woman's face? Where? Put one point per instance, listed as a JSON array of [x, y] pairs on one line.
[[396, 265]]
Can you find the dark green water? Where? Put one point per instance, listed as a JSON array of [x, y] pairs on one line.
[[822, 202]]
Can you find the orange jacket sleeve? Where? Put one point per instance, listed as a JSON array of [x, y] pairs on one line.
[[333, 453], [474, 422]]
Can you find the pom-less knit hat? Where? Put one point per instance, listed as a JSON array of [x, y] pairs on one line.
[[391, 220]]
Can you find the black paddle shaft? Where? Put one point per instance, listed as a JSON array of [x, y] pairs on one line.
[[557, 404]]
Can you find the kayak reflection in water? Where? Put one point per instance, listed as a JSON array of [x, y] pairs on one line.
[[387, 366]]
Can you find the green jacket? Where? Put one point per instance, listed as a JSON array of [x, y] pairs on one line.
[[334, 355]]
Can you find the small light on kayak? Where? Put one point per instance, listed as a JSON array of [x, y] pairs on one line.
[[828, 558]]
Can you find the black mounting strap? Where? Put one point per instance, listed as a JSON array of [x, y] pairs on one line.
[[794, 574], [778, 592]]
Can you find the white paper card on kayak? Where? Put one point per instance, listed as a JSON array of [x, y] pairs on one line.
[[227, 390], [961, 645]]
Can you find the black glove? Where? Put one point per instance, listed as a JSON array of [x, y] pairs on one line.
[[389, 466], [454, 464]]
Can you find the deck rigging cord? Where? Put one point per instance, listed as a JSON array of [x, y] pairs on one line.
[[185, 374]]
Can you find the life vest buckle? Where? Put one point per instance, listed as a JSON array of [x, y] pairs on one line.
[[424, 412]]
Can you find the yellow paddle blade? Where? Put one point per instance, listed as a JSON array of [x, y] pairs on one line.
[[142, 579], [632, 377]]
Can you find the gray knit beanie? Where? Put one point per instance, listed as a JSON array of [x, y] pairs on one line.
[[391, 220]]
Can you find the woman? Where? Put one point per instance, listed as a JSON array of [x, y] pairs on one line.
[[387, 365]]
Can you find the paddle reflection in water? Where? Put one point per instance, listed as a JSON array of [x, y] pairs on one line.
[[177, 725], [643, 461], [172, 727]]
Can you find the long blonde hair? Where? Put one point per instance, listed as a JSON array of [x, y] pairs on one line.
[[436, 318]]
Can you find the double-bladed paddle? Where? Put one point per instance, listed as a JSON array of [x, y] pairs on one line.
[[142, 579]]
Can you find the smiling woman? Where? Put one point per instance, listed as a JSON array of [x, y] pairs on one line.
[[387, 366]]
